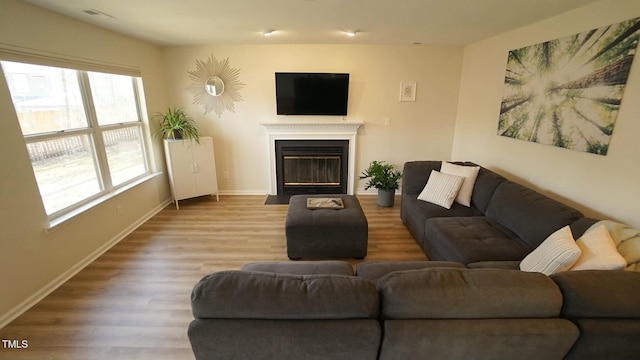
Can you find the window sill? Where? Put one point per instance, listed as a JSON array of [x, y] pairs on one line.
[[56, 223]]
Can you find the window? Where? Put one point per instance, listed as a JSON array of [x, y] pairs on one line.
[[83, 131]]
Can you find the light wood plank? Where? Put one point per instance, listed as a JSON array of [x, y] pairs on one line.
[[134, 301]]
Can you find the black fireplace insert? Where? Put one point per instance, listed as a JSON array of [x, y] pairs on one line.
[[312, 166]]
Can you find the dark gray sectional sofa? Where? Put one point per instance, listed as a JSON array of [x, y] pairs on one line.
[[469, 303], [505, 222], [441, 310]]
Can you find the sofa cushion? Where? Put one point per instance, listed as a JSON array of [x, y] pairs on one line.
[[332, 267], [557, 253], [374, 270], [415, 175], [259, 295], [248, 339], [416, 212], [486, 184], [476, 294], [599, 293], [441, 189], [580, 226], [610, 339], [507, 265], [471, 239], [529, 214], [598, 251], [478, 339], [425, 210], [469, 173]]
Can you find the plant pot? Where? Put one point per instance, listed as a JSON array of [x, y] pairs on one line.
[[386, 197]]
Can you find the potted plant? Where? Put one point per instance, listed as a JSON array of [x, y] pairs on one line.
[[383, 177], [176, 124]]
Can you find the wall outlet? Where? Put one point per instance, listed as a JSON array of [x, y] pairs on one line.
[[225, 174], [387, 121], [118, 209]]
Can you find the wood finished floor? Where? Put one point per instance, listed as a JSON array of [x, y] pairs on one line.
[[134, 301]]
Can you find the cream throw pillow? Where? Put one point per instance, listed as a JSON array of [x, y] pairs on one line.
[[441, 189], [598, 251], [470, 173], [556, 254]]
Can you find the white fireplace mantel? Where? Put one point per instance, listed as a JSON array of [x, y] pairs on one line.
[[346, 130]]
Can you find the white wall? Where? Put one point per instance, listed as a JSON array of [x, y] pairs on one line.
[[419, 130], [601, 186], [31, 261]]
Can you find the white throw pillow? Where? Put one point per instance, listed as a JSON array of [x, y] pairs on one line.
[[557, 253], [598, 251], [470, 173], [441, 189]]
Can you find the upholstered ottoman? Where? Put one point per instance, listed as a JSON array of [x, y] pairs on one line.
[[326, 233]]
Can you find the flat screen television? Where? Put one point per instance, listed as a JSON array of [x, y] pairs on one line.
[[311, 93]]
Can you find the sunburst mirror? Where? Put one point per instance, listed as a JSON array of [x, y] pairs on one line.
[[215, 85]]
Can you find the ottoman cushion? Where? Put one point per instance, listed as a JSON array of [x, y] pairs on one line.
[[326, 233]]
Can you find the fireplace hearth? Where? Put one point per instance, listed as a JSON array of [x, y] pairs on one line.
[[311, 166]]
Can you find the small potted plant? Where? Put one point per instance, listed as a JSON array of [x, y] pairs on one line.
[[383, 177], [176, 124]]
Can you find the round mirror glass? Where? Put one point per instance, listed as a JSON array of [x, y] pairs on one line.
[[214, 86]]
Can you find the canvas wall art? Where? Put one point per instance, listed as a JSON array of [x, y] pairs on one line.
[[567, 92]]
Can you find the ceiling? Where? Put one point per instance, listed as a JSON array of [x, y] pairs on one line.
[[216, 22]]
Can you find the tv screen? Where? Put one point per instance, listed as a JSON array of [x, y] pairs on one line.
[[311, 93]]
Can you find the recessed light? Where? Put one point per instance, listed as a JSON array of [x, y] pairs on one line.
[[351, 33], [268, 32]]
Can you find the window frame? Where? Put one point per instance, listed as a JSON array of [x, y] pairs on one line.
[[95, 133]]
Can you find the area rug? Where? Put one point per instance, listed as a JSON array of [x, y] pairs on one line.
[[277, 200]]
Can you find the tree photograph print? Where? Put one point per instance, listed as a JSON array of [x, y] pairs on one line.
[[567, 92]]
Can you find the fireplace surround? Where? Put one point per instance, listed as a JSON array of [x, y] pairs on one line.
[[316, 131]]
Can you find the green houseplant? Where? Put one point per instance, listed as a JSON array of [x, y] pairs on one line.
[[176, 124], [383, 177]]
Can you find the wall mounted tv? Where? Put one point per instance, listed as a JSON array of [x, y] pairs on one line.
[[311, 93]]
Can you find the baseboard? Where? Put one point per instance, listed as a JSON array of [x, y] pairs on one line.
[[372, 191], [359, 191], [362, 191], [244, 192], [57, 282]]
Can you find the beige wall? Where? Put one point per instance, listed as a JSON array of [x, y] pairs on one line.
[[418, 130], [31, 261], [458, 98], [601, 186]]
